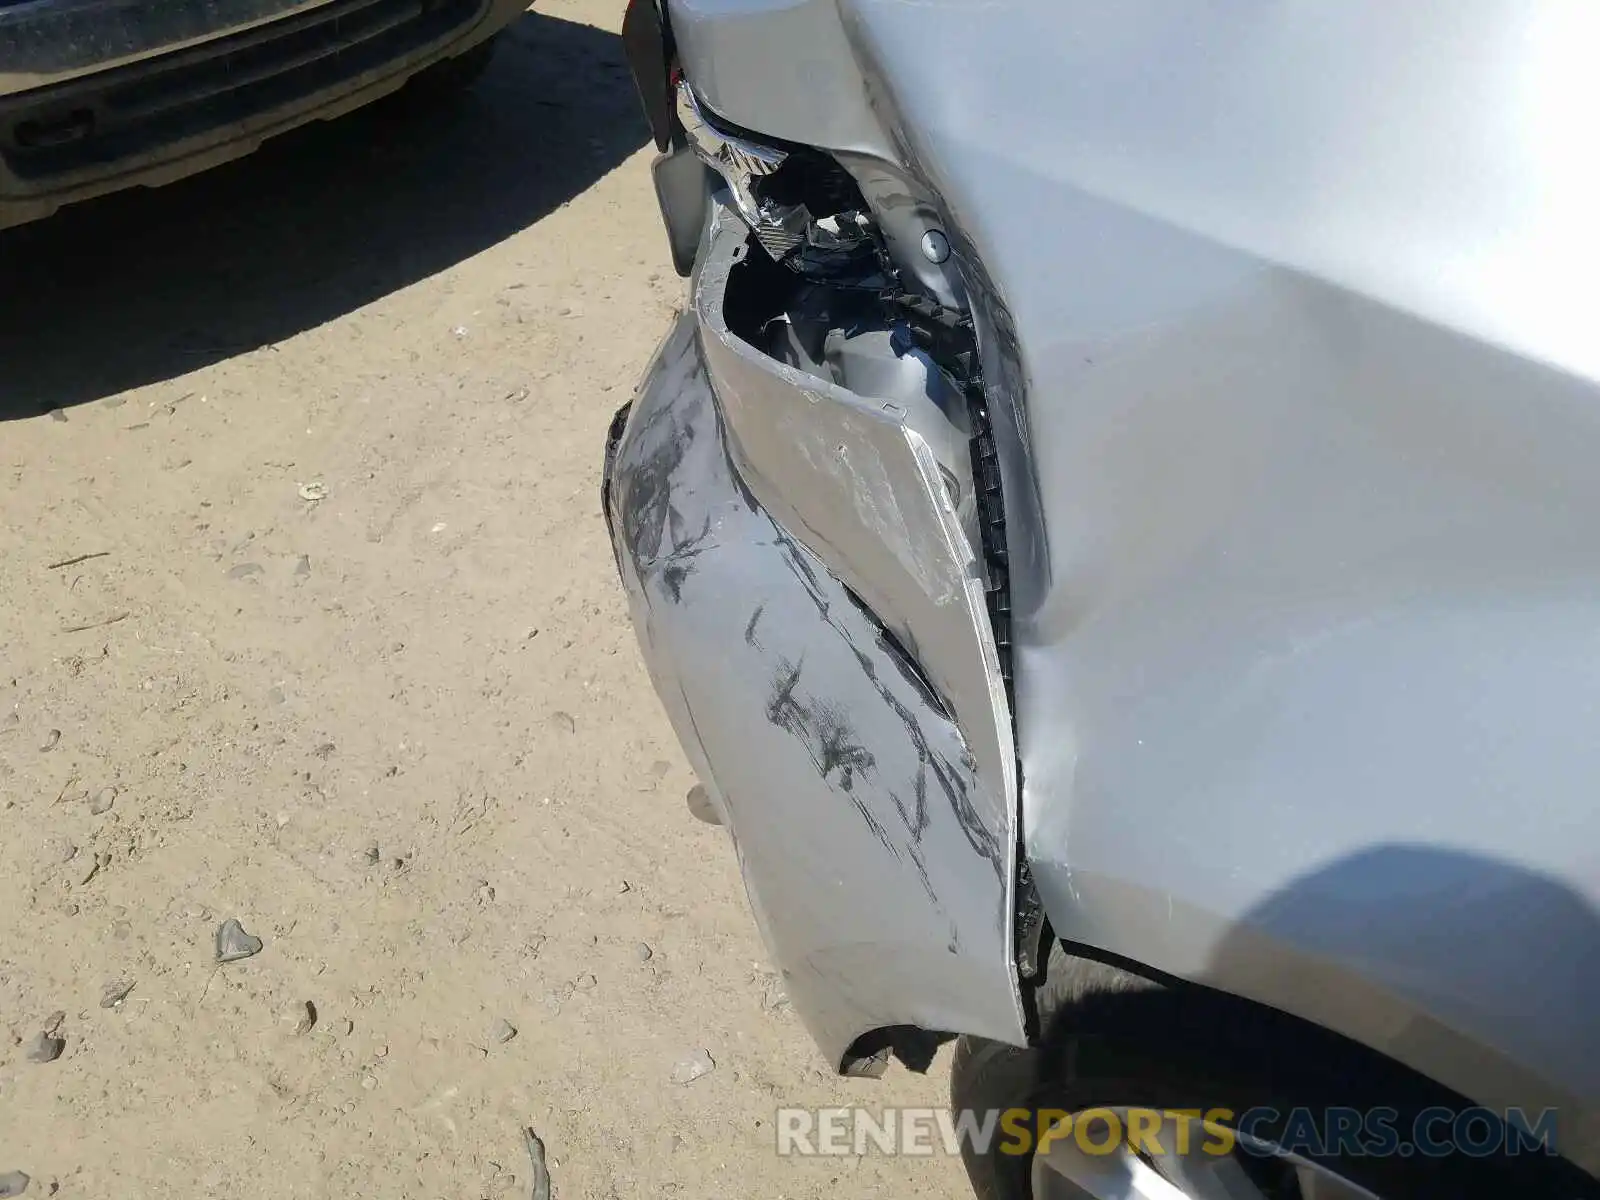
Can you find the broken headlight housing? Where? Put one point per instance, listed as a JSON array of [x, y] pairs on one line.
[[879, 311]]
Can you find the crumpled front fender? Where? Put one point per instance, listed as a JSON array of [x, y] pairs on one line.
[[877, 855]]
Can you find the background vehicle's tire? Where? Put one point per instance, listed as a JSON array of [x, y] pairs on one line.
[[1144, 1046]]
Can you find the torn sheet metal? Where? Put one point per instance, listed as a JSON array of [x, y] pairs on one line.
[[877, 850], [857, 483]]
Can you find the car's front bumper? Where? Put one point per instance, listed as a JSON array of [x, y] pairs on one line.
[[99, 95], [865, 789]]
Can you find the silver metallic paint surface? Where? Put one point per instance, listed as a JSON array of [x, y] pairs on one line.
[[877, 856], [783, 68], [1302, 298], [853, 478]]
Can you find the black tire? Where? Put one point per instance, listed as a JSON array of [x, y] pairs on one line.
[[1113, 1040]]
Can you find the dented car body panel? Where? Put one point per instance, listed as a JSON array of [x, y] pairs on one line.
[[856, 478], [877, 854], [1284, 319]]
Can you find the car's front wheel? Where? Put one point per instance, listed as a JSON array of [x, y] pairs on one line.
[[1161, 1094]]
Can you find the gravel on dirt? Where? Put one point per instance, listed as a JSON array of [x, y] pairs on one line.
[[234, 943], [693, 1066], [45, 1048]]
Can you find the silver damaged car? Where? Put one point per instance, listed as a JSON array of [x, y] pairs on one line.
[[1117, 533]]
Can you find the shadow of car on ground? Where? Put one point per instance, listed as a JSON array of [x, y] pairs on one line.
[[149, 284]]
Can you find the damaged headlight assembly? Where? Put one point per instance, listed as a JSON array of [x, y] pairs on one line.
[[882, 314]]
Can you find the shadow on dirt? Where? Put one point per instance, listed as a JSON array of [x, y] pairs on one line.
[[143, 286]]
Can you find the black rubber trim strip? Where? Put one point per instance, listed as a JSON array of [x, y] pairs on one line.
[[647, 44], [947, 336]]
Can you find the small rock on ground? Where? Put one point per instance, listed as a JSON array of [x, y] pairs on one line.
[[700, 806], [776, 995], [693, 1066], [103, 800], [13, 1183], [503, 1031], [300, 1017], [46, 1048], [643, 952], [233, 943], [115, 992]]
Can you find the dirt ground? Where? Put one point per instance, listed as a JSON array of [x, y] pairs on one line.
[[348, 663]]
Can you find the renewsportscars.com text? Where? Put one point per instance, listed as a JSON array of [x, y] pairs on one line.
[[1353, 1132]]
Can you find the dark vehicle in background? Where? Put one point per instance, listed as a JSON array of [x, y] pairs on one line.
[[1114, 532], [99, 95]]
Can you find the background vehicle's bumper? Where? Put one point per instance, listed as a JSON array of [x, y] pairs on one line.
[[45, 42], [159, 97], [877, 848]]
